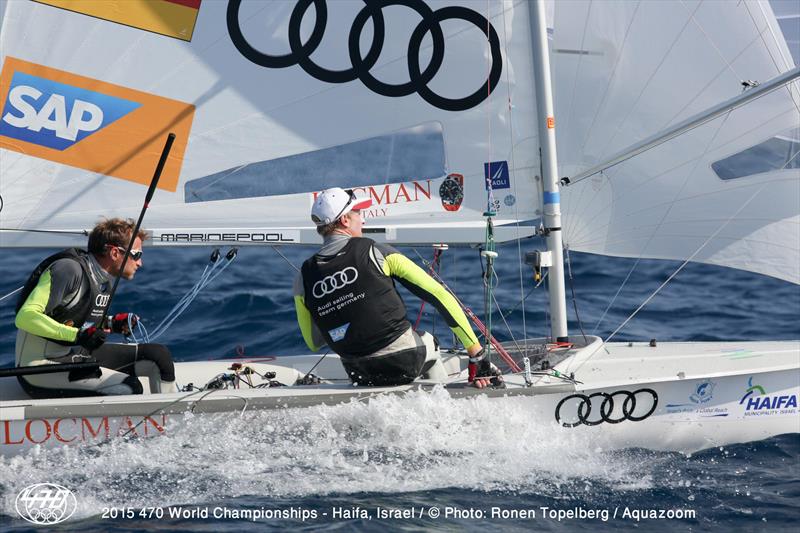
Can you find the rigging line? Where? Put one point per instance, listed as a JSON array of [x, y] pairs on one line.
[[664, 284], [15, 291], [620, 55], [578, 67], [614, 299], [522, 301], [508, 327], [574, 298], [658, 226], [83, 233], [630, 190], [646, 85], [316, 364], [711, 81], [275, 248], [160, 408], [514, 166], [731, 142], [788, 63], [470, 314], [710, 40]]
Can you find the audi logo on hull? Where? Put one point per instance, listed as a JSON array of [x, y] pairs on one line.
[[581, 409], [334, 282], [361, 64]]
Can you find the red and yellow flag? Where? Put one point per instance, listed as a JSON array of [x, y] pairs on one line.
[[174, 18]]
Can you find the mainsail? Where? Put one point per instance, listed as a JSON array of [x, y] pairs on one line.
[[413, 104], [727, 192]]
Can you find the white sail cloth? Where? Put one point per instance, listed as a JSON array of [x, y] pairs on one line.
[[727, 192], [258, 140]]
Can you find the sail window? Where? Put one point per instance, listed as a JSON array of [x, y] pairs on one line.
[[781, 152], [413, 153]]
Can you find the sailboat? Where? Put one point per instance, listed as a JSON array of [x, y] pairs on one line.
[[677, 133]]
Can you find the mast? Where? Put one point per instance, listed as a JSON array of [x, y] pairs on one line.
[[547, 137]]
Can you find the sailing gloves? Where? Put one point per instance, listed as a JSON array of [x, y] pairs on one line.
[[123, 323], [91, 338], [480, 367]]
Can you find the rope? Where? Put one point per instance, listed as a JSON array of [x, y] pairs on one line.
[[275, 249], [514, 186], [665, 215], [574, 298], [210, 273], [436, 255], [15, 291], [664, 284]]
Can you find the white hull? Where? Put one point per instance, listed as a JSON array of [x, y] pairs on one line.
[[687, 397]]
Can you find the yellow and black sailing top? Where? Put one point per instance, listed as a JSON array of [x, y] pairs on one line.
[[345, 297]]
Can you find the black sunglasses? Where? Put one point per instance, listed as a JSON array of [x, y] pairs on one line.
[[135, 254], [350, 200]]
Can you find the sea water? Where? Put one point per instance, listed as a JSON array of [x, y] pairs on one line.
[[426, 461]]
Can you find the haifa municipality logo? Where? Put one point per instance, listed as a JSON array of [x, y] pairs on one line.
[[45, 503]]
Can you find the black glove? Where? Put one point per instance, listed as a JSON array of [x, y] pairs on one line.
[[119, 323], [487, 369], [480, 367], [91, 338]]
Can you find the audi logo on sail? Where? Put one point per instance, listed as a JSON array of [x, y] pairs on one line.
[[334, 282], [581, 408], [373, 10]]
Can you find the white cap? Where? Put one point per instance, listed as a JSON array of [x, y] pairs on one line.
[[332, 204]]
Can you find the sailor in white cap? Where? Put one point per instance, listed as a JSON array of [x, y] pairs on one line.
[[345, 298]]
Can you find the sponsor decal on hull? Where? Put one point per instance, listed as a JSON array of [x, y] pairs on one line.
[[699, 402], [758, 402], [610, 408], [77, 430], [173, 18], [90, 124]]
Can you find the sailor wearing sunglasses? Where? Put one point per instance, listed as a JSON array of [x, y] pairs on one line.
[[57, 318]]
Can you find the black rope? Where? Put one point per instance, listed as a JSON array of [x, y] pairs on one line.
[[85, 233], [574, 298]]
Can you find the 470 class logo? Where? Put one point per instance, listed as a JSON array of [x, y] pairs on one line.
[[90, 124]]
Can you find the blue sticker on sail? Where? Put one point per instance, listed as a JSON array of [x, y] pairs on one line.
[[497, 173], [337, 334], [57, 115]]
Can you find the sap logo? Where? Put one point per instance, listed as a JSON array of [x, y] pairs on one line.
[[338, 334], [496, 172], [57, 115]]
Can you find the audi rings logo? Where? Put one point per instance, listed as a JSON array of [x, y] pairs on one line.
[[45, 503], [577, 409], [361, 64], [102, 300], [332, 283]]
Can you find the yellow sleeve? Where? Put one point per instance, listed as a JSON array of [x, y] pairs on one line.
[[425, 287], [313, 338], [32, 317]]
